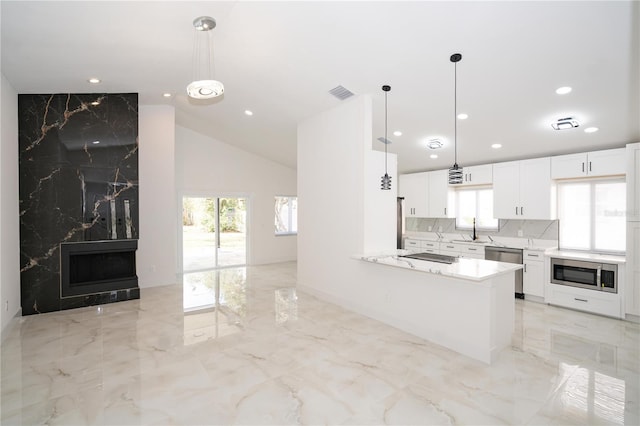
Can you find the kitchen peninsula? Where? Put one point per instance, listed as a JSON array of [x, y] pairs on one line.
[[467, 306]]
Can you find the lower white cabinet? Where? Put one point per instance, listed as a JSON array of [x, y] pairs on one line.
[[533, 275], [597, 302]]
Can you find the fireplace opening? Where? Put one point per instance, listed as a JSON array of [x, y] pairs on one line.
[[97, 266]]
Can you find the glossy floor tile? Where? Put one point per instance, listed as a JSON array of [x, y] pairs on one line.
[[241, 346]]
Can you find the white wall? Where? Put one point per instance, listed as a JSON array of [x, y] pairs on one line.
[[9, 223], [341, 209], [157, 246], [205, 166]]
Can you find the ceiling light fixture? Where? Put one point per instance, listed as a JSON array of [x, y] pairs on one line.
[[565, 123], [455, 171], [434, 156], [397, 133], [94, 80], [591, 130], [463, 116], [496, 146], [386, 179], [247, 112], [563, 90], [434, 144], [203, 85], [166, 95]]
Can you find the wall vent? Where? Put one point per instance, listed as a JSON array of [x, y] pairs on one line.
[[341, 93]]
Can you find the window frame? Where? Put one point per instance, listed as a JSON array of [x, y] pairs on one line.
[[289, 224], [592, 182], [460, 227]]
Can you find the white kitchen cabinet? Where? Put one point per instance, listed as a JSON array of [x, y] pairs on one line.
[[477, 175], [632, 290], [412, 244], [414, 188], [475, 251], [441, 198], [533, 275], [633, 182], [523, 190], [595, 163]]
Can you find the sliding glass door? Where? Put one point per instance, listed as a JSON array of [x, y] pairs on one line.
[[214, 233]]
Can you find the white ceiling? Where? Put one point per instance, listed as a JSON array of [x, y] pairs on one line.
[[279, 59]]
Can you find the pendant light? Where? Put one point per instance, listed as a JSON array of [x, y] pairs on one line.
[[455, 171], [386, 179], [203, 85]]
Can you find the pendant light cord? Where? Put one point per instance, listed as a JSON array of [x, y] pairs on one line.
[[386, 141], [455, 113]]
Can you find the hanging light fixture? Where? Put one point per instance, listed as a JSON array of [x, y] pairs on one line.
[[386, 179], [203, 85], [455, 171]]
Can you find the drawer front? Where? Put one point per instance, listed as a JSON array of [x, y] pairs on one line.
[[451, 247], [585, 300], [534, 256], [412, 244], [430, 245], [476, 250]]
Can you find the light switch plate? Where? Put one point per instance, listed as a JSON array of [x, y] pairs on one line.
[[520, 233]]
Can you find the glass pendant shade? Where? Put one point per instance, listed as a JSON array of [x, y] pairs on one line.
[[205, 89], [455, 174], [385, 182]]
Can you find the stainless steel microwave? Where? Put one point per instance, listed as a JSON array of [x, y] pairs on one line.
[[584, 274]]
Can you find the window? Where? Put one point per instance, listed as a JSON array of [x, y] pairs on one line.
[[475, 203], [592, 215], [286, 215]]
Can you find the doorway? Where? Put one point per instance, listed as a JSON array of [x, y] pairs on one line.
[[214, 233]]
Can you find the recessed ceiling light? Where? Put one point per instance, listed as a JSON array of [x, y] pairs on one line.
[[563, 90], [433, 156], [247, 112], [463, 116], [565, 123], [166, 95], [434, 144], [95, 142], [591, 130], [94, 80], [95, 103], [397, 133], [496, 145]]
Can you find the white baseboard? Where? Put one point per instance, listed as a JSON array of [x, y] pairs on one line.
[[632, 318]]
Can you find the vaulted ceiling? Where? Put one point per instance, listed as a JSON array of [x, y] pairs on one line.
[[280, 59]]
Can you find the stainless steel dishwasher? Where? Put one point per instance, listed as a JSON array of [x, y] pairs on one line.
[[508, 255]]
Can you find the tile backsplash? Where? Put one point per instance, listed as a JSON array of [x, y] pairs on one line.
[[537, 229]]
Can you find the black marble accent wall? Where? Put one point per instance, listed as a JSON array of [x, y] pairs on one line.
[[78, 182]]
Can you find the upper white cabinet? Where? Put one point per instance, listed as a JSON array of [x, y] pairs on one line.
[[523, 190], [414, 188], [441, 198], [633, 182], [596, 163], [477, 175]]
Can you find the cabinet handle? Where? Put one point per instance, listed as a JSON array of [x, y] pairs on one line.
[[472, 249], [516, 210], [525, 267], [583, 167], [589, 165], [532, 255], [450, 246], [445, 211], [521, 211], [469, 177], [580, 300]]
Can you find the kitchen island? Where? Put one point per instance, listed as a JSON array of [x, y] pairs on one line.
[[467, 306]]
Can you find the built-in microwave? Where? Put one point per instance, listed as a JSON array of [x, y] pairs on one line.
[[584, 274]]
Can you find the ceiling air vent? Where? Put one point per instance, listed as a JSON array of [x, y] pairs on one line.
[[341, 93], [384, 140]]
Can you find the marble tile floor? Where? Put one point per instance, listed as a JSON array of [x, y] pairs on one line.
[[239, 346]]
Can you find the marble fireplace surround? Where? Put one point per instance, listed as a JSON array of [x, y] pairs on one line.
[[78, 168]]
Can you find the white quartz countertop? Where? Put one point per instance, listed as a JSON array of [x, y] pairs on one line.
[[520, 243], [579, 255], [464, 268]]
